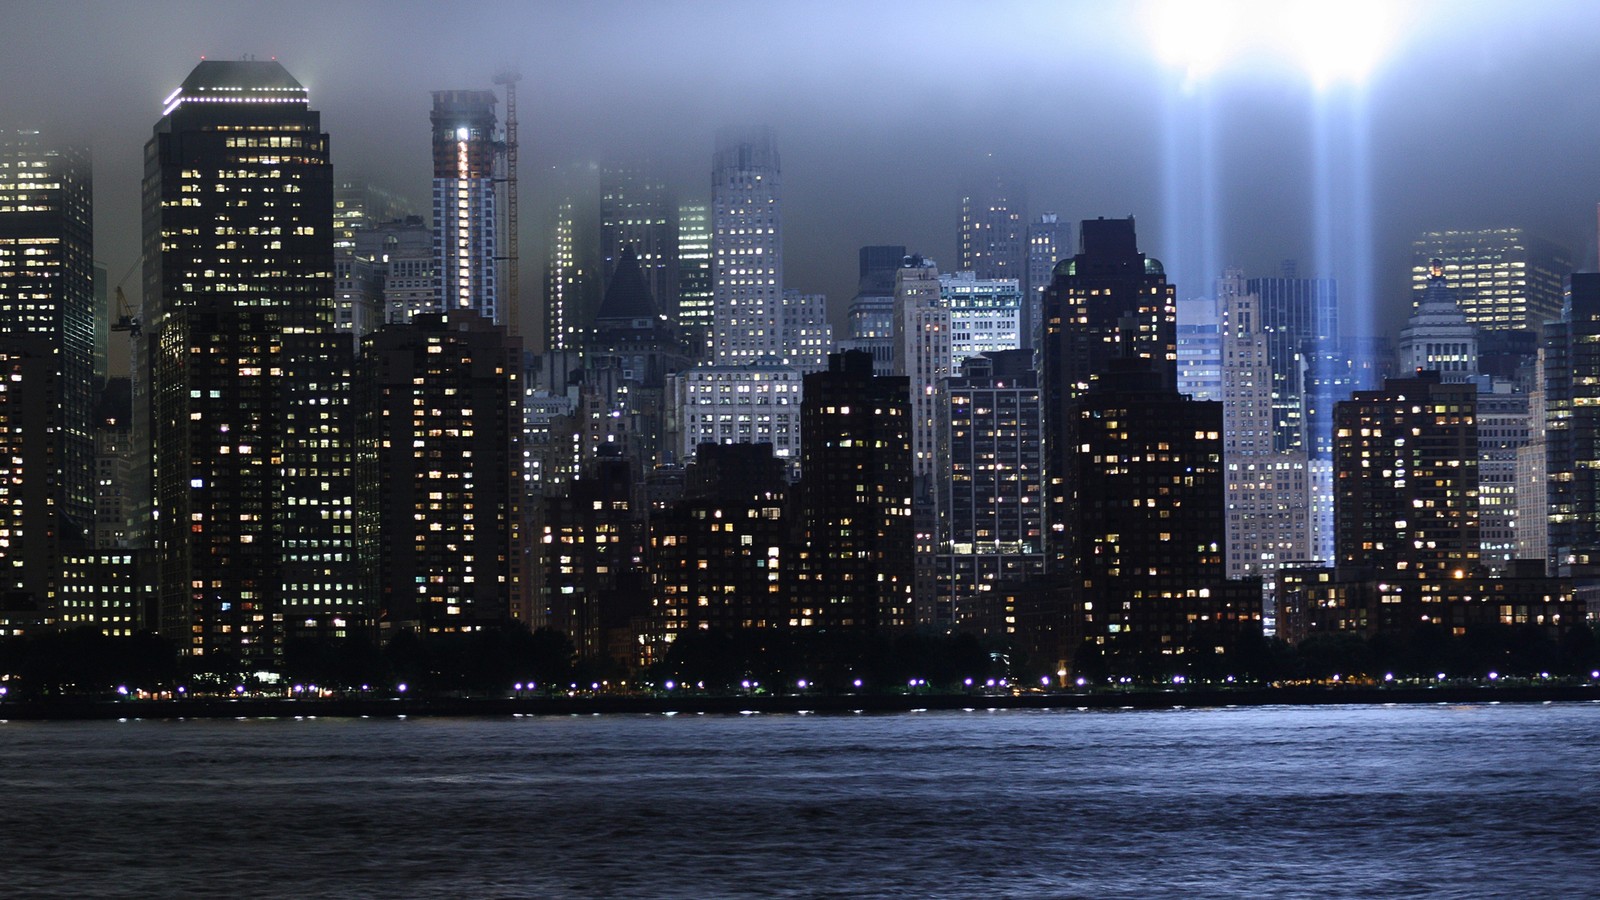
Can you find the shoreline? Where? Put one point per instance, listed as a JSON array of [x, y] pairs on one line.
[[370, 707]]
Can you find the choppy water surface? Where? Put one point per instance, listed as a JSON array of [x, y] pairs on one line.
[[1344, 801]]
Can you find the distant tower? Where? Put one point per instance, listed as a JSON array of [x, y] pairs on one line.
[[1572, 426], [1049, 242], [695, 304], [994, 231], [48, 322], [466, 247], [746, 248], [637, 211], [1300, 321], [1505, 278]]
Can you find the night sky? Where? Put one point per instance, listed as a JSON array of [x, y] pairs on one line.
[[1479, 114]]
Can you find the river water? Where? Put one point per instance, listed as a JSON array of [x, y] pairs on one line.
[[1463, 801]]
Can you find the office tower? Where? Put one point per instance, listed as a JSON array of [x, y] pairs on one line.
[[694, 275], [922, 356], [1503, 430], [747, 248], [48, 322], [595, 588], [1532, 491], [637, 211], [1268, 515], [1406, 478], [994, 231], [986, 314], [400, 253], [871, 312], [1504, 278], [443, 424], [249, 383], [1438, 336], [1149, 578], [466, 160], [1300, 317], [1049, 242], [1572, 424], [991, 514], [573, 267], [359, 205], [807, 336], [1200, 348], [1106, 302], [922, 351], [856, 566], [719, 558]]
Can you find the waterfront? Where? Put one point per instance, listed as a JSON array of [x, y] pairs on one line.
[[1464, 800]]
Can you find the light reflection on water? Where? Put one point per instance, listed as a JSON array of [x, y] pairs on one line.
[[1344, 801]]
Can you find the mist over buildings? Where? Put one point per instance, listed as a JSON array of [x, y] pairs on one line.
[[1481, 114]]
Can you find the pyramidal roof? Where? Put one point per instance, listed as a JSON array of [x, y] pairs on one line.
[[628, 296]]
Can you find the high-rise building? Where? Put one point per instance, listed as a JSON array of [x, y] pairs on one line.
[[871, 313], [986, 314], [1503, 430], [1504, 278], [922, 356], [1572, 425], [1300, 318], [49, 318], [359, 205], [695, 298], [1406, 478], [249, 394], [400, 253], [1269, 501], [595, 588], [746, 248], [757, 403], [856, 566], [1149, 577], [1200, 348], [1107, 302], [466, 162], [1438, 336], [1049, 242], [991, 514], [994, 231], [807, 336], [637, 211], [443, 424]]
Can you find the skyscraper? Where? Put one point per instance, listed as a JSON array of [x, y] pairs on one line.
[[991, 518], [466, 160], [1438, 336], [1107, 302], [1572, 425], [1504, 278], [444, 425], [871, 313], [986, 314], [994, 231], [637, 211], [249, 383], [48, 322], [1300, 320], [856, 569], [695, 302], [1049, 242], [746, 248]]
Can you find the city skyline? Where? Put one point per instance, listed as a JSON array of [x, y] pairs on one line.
[[1086, 136]]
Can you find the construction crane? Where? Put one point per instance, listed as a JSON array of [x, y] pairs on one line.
[[509, 78], [126, 320]]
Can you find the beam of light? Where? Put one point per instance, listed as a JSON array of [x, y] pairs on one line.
[[1331, 41]]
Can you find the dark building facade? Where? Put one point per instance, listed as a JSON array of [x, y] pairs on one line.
[[246, 381], [49, 318], [1572, 425], [1148, 555], [857, 537], [637, 211], [595, 588], [443, 425]]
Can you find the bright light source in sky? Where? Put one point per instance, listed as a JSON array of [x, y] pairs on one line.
[[1331, 40]]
